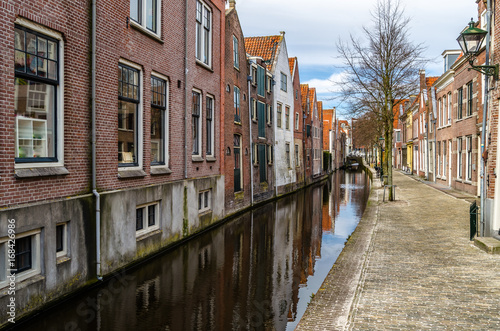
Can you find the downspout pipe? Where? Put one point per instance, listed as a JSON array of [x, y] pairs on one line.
[[185, 87], [94, 150], [249, 100], [485, 116]]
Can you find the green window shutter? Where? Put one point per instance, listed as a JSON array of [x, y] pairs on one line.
[[261, 118], [261, 81]]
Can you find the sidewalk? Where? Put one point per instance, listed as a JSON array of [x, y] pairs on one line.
[[410, 266]]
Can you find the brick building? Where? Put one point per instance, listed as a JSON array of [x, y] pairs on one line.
[[237, 140], [298, 122]]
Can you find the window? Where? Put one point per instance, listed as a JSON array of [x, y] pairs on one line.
[[261, 113], [468, 146], [146, 218], [459, 157], [287, 117], [278, 115], [269, 154], [254, 74], [128, 112], [460, 103], [261, 81], [283, 82], [255, 153], [287, 153], [237, 115], [236, 58], [445, 111], [296, 155], [203, 33], [444, 160], [210, 125], [439, 158], [296, 121], [61, 239], [196, 124], [269, 114], [158, 120], [146, 13], [37, 108], [253, 108], [449, 108], [269, 83], [469, 98], [25, 255], [398, 136], [205, 201]]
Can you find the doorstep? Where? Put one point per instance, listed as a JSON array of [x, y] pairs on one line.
[[488, 244]]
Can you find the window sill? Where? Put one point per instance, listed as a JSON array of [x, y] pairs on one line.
[[204, 65], [62, 259], [145, 31], [148, 233], [237, 123], [211, 158], [160, 170], [131, 173], [40, 172], [21, 282], [197, 158]]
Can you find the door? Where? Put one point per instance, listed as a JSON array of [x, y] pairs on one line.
[[237, 163], [449, 163]]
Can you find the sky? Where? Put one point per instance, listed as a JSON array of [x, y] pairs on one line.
[[313, 27]]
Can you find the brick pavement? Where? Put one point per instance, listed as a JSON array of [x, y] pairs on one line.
[[410, 266]]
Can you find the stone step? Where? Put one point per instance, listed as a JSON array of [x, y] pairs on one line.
[[488, 244]]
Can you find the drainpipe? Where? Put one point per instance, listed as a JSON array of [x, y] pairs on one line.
[[94, 139], [434, 121], [485, 115], [250, 140], [185, 86]]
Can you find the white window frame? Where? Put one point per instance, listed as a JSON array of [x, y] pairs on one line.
[[65, 242], [270, 154], [200, 125], [269, 83], [296, 121], [201, 44], [284, 82], [145, 219], [253, 73], [237, 104], [212, 127], [459, 158], [279, 115], [287, 117], [468, 158], [236, 59], [206, 196], [142, 25], [166, 122], [140, 117], [35, 258], [450, 106], [269, 115], [59, 111], [253, 108]]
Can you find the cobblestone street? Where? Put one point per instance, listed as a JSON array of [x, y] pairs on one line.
[[410, 266]]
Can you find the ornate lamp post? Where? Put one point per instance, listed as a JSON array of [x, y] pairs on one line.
[[471, 41]]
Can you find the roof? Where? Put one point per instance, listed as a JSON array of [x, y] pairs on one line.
[[291, 64], [429, 81], [304, 91], [312, 93], [264, 47]]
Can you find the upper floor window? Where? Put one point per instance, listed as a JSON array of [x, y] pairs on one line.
[[203, 33], [278, 115], [287, 117], [269, 83], [210, 125], [283, 82], [196, 124], [146, 13], [36, 105], [460, 103], [296, 121], [469, 98], [253, 72], [128, 111], [158, 120], [237, 115], [450, 105], [236, 59]]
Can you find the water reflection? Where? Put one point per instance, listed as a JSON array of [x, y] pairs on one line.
[[255, 273]]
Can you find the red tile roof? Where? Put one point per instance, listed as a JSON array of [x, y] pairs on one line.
[[429, 81], [304, 91], [291, 64], [264, 47]]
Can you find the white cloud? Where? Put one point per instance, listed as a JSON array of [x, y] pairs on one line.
[[326, 86]]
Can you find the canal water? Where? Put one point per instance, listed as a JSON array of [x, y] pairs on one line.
[[256, 272]]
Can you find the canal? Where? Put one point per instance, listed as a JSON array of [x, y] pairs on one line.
[[256, 272]]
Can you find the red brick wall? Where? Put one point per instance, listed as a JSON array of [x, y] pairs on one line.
[[69, 18]]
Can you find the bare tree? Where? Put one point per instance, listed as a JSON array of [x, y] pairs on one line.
[[381, 70]]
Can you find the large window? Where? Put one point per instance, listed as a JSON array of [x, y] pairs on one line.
[[36, 63], [128, 109], [278, 115], [203, 33], [236, 58], [237, 110], [283, 82], [287, 117], [459, 158], [210, 125], [468, 146], [196, 123], [158, 116], [450, 106], [469, 98], [146, 13], [460, 103]]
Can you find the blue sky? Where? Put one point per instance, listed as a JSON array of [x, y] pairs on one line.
[[313, 27]]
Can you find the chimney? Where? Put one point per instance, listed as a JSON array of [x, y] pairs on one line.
[[282, 33], [232, 4], [421, 72]]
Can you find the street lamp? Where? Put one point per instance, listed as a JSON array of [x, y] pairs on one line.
[[470, 41]]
